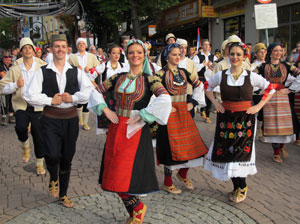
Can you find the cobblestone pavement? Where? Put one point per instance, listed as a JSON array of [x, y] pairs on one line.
[[273, 196]]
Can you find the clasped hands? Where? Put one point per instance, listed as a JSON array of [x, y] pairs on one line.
[[59, 98]]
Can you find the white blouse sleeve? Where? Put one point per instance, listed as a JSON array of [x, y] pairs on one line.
[[295, 86], [199, 95], [289, 81], [214, 81], [260, 82], [160, 108]]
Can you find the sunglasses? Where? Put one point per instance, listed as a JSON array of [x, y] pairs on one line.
[[7, 56]]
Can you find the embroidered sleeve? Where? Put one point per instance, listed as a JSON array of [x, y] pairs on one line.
[[193, 79], [160, 74], [108, 84], [156, 86]]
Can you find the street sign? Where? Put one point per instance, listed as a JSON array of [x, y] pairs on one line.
[[266, 16], [151, 30], [264, 1], [209, 11]]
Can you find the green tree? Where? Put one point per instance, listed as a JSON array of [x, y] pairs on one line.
[[8, 31], [107, 15]]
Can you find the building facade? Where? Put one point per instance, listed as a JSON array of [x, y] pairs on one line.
[[238, 17]]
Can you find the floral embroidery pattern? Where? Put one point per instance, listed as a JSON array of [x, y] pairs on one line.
[[234, 140], [220, 152], [247, 149], [240, 134], [222, 125], [239, 126], [249, 133]]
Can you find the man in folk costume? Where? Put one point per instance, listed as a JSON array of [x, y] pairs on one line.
[[204, 61], [225, 63], [190, 66], [170, 39], [59, 87], [84, 61], [123, 57], [16, 83]]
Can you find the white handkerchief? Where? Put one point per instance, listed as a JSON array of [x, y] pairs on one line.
[[134, 128]]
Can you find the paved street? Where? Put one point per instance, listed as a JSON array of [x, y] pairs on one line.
[[273, 196]]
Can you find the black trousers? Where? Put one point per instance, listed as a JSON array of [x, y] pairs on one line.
[[84, 107], [60, 136], [207, 109], [23, 118], [6, 107]]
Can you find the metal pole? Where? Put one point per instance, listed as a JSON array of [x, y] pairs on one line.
[[267, 37]]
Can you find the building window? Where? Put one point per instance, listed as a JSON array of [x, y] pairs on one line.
[[288, 31], [235, 25]]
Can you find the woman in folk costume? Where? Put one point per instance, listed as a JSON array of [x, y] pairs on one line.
[[179, 145], [278, 123], [84, 61], [103, 72], [190, 66], [128, 160], [232, 153]]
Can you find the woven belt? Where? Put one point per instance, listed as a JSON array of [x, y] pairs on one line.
[[236, 105], [60, 113], [123, 112], [178, 98]]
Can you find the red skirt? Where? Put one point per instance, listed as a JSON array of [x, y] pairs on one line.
[[128, 164]]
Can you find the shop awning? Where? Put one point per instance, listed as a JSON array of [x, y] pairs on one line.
[[222, 3]]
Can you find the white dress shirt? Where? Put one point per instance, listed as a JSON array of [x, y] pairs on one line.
[[35, 97], [82, 59], [27, 76], [197, 61]]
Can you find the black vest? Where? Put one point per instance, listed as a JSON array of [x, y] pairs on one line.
[[236, 93], [50, 87], [202, 71]]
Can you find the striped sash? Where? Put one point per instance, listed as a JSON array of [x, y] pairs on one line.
[[277, 116], [184, 138]]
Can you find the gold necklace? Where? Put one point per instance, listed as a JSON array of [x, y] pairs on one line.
[[236, 77], [114, 66], [274, 68]]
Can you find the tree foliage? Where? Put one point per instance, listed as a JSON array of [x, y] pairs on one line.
[[106, 15], [8, 32]]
